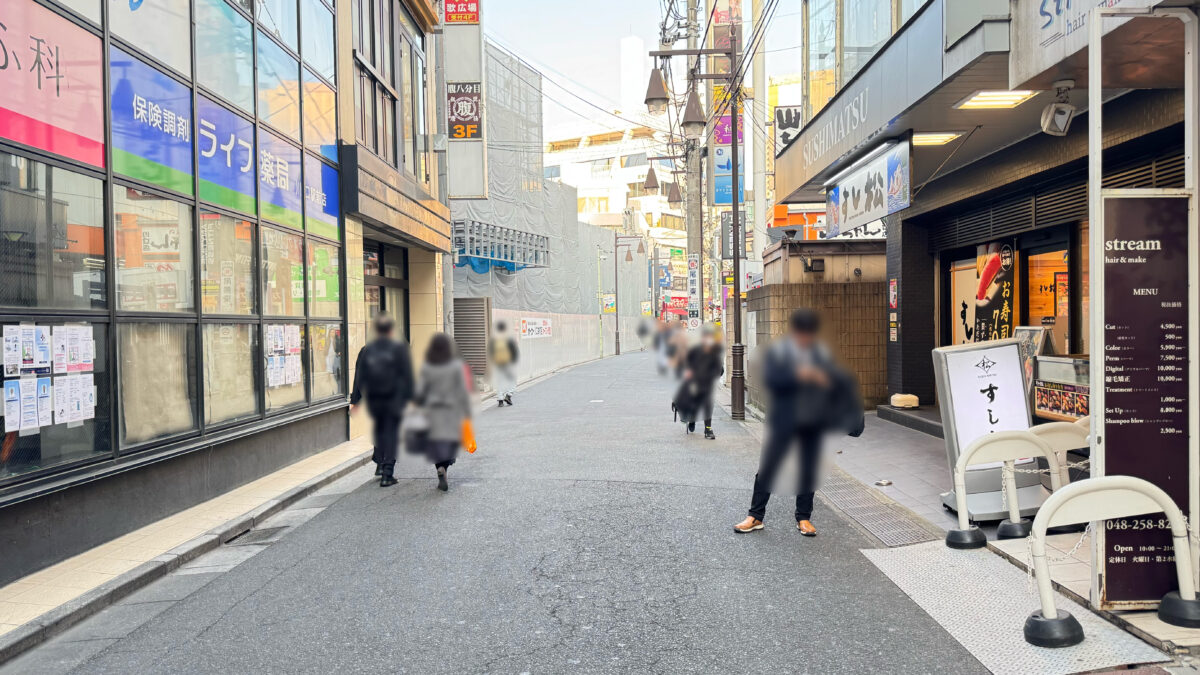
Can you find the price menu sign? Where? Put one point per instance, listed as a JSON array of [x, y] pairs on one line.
[[1145, 374]]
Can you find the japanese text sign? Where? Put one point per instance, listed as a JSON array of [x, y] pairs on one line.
[[464, 110], [151, 124], [462, 12], [225, 146], [987, 391], [51, 73], [321, 198], [536, 328], [723, 130], [279, 180], [878, 188], [723, 189]]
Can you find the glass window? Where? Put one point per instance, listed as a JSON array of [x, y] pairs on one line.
[[1049, 298], [395, 262], [910, 7], [283, 273], [154, 251], [229, 391], [161, 29], [278, 17], [637, 159], [371, 263], [224, 52], [51, 237], [419, 114], [320, 117], [406, 107], [278, 88], [318, 49], [324, 285], [868, 24], [226, 264], [157, 380], [326, 348], [283, 364], [89, 9], [822, 53], [552, 172], [63, 440]]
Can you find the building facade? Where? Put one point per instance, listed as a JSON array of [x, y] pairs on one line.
[[179, 201]]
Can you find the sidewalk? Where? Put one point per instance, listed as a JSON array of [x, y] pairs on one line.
[[47, 602]]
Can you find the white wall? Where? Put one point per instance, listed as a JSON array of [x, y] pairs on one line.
[[575, 339]]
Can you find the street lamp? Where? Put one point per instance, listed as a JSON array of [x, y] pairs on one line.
[[651, 183], [674, 199], [693, 117], [618, 242], [656, 93]]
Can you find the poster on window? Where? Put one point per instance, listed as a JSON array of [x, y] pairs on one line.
[[996, 291]]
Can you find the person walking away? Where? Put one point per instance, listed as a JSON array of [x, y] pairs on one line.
[[703, 365], [443, 394], [504, 354], [810, 395], [662, 338], [383, 373]]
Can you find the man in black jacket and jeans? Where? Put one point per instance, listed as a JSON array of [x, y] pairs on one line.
[[384, 372], [810, 395]]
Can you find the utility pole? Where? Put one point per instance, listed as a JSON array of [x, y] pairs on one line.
[[695, 202], [737, 381]]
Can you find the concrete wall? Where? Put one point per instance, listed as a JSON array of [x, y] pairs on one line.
[[853, 327], [575, 338]]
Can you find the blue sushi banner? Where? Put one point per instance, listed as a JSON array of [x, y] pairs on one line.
[[321, 206], [151, 124], [225, 149], [279, 180]]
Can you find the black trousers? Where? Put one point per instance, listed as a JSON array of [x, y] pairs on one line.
[[387, 439], [706, 404], [779, 442]]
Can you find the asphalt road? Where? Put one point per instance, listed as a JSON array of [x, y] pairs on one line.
[[588, 534]]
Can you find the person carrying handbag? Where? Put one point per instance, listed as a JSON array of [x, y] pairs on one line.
[[445, 400]]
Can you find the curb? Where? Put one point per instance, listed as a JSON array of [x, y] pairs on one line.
[[76, 610]]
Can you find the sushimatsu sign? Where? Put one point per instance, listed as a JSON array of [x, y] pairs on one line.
[[837, 127], [1046, 32]]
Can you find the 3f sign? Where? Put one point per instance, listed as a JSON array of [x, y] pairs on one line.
[[465, 131]]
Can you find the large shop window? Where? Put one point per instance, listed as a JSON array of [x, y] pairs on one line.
[[822, 54], [226, 264], [318, 52], [282, 273], [158, 380], [868, 24], [229, 372], [320, 117], [161, 29], [278, 17], [324, 280], [56, 396], [283, 364], [326, 349], [154, 252], [51, 237], [89, 9], [225, 52], [278, 88]]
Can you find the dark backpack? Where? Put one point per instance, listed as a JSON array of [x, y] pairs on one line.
[[382, 364]]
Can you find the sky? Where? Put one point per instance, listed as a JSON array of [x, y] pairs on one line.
[[574, 43]]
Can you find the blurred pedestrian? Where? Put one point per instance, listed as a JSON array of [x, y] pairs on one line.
[[704, 364], [662, 338], [810, 395], [383, 373], [503, 352], [679, 347], [445, 399]]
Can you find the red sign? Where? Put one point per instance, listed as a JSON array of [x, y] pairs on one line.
[[51, 72], [462, 12]]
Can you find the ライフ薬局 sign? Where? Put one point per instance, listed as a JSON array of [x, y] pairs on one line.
[[225, 150]]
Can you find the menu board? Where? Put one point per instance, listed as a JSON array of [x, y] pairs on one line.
[[1145, 384]]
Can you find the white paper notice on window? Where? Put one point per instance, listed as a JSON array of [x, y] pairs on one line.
[[62, 404], [29, 405], [45, 403], [41, 349], [12, 351], [73, 349], [87, 397], [59, 341], [87, 348], [12, 406], [74, 406]]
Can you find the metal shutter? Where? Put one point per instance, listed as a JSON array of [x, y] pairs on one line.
[[472, 316]]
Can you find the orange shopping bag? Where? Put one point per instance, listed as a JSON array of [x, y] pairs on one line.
[[468, 435]]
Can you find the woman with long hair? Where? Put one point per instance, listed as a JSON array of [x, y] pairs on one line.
[[442, 392]]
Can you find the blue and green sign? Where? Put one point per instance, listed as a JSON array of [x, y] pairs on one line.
[[225, 149], [321, 198], [151, 124], [279, 180]]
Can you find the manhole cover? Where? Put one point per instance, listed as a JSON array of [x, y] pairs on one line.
[[264, 536]]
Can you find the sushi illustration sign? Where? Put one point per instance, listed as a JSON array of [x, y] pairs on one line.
[[878, 188]]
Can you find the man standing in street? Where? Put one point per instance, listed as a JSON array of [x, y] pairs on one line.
[[504, 354], [384, 373], [809, 396]]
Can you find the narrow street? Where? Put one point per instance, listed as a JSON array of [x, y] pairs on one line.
[[588, 534]]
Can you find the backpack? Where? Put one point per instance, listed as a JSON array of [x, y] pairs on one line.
[[381, 366]]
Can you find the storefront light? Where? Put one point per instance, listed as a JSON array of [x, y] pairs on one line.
[[935, 137], [995, 100]]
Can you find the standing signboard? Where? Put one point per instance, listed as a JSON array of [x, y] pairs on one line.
[[1145, 429]]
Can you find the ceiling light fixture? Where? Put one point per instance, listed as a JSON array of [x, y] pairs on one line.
[[995, 100], [934, 137]]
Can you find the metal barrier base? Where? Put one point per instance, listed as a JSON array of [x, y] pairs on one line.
[[1063, 631], [964, 539], [1179, 612], [1018, 530]]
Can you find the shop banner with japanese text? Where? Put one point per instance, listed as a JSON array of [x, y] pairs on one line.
[[151, 124], [279, 180], [225, 150]]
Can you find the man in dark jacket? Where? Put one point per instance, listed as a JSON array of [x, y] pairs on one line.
[[384, 373], [703, 365], [809, 396]]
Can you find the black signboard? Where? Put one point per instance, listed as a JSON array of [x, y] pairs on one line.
[[464, 110], [727, 235], [1145, 383]]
